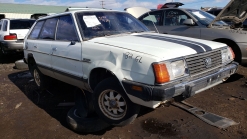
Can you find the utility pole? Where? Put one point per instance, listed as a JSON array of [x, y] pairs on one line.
[[102, 4]]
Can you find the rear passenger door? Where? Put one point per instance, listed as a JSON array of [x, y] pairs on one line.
[[66, 52], [39, 44]]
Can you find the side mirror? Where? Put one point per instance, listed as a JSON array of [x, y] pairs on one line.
[[189, 22], [72, 42]]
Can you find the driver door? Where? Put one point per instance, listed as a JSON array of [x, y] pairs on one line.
[[67, 52], [173, 24]]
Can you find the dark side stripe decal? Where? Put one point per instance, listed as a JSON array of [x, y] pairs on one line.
[[195, 47], [206, 47]]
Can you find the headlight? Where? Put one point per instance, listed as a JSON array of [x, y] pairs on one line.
[[227, 55], [166, 71], [178, 68]]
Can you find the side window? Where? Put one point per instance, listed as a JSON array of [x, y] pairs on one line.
[[174, 18], [5, 25], [36, 30], [66, 29], [152, 18], [48, 31]]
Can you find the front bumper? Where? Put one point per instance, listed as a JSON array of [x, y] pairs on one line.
[[187, 88]]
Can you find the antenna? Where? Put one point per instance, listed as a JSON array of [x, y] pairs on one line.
[[102, 4], [154, 24]]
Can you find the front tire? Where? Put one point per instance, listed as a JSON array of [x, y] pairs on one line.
[[112, 104]]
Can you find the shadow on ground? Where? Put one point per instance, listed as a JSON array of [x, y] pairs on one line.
[[49, 100]]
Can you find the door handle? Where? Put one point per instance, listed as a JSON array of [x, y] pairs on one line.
[[35, 46], [54, 49]]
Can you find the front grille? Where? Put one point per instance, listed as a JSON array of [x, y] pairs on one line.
[[203, 62]]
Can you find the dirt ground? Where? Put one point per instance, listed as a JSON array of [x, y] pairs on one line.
[[26, 112]]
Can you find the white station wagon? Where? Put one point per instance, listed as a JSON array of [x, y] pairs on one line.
[[116, 58]]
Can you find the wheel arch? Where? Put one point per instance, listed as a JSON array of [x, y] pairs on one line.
[[99, 74], [29, 60]]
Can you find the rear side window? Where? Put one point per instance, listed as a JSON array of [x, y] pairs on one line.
[[66, 29], [5, 25], [36, 30], [21, 24], [48, 31]]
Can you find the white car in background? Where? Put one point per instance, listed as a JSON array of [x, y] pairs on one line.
[[12, 34]]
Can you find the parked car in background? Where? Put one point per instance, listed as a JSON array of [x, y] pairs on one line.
[[200, 24], [12, 34], [113, 56]]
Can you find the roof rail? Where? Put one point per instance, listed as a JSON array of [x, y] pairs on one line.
[[76, 8]]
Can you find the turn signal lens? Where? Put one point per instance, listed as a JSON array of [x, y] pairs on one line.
[[233, 55], [161, 73]]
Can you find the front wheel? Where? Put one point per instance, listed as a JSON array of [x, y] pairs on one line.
[[112, 104]]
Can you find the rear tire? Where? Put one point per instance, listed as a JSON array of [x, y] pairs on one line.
[[112, 104], [40, 79], [1, 54]]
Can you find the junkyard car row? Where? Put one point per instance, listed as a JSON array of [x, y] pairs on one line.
[[200, 24], [120, 65]]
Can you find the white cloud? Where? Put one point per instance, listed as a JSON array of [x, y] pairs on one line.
[[109, 4]]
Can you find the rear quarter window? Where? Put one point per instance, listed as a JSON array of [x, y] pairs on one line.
[[21, 24]]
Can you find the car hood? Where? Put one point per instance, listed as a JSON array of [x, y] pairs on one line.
[[137, 11], [159, 45], [235, 11]]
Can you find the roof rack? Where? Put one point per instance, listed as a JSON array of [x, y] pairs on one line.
[[86, 8], [170, 5]]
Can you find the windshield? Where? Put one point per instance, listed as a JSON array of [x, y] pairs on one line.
[[205, 18], [98, 24]]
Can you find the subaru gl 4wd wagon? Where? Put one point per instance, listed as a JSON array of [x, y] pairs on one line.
[[113, 56], [200, 24], [12, 33]]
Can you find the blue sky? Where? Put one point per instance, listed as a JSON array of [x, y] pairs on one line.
[[121, 4]]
